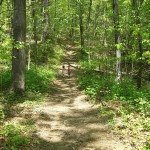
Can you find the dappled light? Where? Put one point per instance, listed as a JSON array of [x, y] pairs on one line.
[[74, 75], [67, 121]]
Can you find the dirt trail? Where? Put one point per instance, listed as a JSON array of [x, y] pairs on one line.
[[67, 121]]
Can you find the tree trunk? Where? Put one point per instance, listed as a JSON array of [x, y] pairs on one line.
[[29, 39], [117, 39], [45, 34], [46, 20], [140, 64], [72, 27], [81, 25], [35, 35], [88, 31], [96, 17], [18, 52], [29, 54], [104, 27], [136, 7]]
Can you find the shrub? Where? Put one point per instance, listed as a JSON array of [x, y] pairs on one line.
[[16, 136], [39, 79]]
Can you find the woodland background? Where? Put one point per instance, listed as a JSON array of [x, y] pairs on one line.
[[112, 40]]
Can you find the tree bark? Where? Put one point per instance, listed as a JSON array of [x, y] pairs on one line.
[[35, 35], [88, 31], [18, 52], [29, 50], [136, 7], [140, 64], [45, 34], [117, 39], [81, 25], [46, 20]]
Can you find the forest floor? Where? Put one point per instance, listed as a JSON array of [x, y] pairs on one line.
[[67, 120]]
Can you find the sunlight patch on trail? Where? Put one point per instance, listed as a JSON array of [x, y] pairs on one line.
[[80, 102], [54, 110]]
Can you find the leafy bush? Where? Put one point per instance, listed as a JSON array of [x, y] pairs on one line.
[[16, 136], [5, 79], [146, 148], [147, 124], [18, 140], [40, 79], [134, 104], [94, 84]]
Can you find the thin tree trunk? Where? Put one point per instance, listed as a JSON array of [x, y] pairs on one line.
[[117, 39], [55, 8], [96, 22], [55, 15], [104, 25], [136, 7], [18, 52], [29, 50], [72, 27], [46, 20], [71, 30], [29, 54], [45, 34], [10, 17], [81, 25], [35, 36], [140, 64], [88, 31]]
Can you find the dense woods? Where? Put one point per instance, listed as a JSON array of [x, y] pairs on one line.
[[112, 40]]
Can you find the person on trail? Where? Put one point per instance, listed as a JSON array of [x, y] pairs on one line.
[[63, 70], [69, 71]]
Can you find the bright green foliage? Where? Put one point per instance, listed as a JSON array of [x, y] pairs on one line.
[[40, 79], [96, 84], [134, 104], [97, 76], [5, 46], [16, 136], [36, 79], [147, 125], [146, 56], [5, 33], [145, 148]]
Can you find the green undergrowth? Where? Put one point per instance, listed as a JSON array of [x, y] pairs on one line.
[[38, 85], [40, 79], [127, 109], [15, 136]]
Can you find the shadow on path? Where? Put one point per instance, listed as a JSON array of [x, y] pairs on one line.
[[67, 121]]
